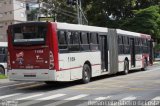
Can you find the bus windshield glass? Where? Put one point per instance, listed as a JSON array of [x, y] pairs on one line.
[[29, 34]]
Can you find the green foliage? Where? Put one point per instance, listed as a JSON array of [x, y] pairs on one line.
[[145, 21], [59, 10], [157, 47], [113, 13], [104, 12], [32, 16], [2, 76], [134, 15]]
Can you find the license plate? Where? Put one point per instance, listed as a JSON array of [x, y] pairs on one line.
[[29, 75]]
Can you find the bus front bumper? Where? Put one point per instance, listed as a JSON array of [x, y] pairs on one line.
[[32, 75]]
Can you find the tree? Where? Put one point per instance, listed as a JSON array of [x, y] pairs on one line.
[[145, 21], [32, 15], [112, 13], [59, 10]]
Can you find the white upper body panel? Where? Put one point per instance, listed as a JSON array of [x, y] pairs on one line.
[[3, 44], [123, 32], [77, 27]]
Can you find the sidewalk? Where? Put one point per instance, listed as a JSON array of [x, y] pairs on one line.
[[2, 81], [156, 62]]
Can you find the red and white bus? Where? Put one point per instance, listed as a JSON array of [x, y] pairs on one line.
[[3, 58], [51, 51]]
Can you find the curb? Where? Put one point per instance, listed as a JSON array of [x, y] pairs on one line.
[[2, 81], [154, 63]]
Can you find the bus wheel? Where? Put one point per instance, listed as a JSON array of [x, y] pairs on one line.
[[2, 71], [86, 75], [126, 67]]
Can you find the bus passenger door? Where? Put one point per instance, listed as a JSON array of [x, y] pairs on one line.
[[132, 52], [104, 52], [150, 52]]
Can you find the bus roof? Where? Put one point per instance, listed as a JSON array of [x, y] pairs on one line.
[[119, 31], [3, 44], [78, 27]]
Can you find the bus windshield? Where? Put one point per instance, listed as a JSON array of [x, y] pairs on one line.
[[29, 34]]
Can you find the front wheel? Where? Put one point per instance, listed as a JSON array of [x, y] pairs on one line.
[[126, 68], [2, 71], [86, 74]]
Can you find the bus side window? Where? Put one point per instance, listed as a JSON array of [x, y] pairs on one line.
[[137, 45], [140, 44], [3, 54], [62, 39], [126, 45], [119, 40], [84, 41], [144, 46], [94, 41], [120, 44], [74, 41]]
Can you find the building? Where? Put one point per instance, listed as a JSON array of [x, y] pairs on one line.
[[11, 12]]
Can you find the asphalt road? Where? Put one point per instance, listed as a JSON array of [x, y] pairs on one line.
[[137, 88]]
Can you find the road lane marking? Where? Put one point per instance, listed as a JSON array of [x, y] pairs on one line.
[[151, 102], [137, 89], [51, 97], [28, 86], [67, 100], [156, 98], [77, 97], [119, 103], [29, 97], [102, 98], [35, 101], [104, 87], [129, 98], [10, 95], [17, 84], [94, 101]]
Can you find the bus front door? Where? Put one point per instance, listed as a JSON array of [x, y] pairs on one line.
[[150, 52], [132, 52], [104, 52]]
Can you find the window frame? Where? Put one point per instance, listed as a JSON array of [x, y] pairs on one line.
[[94, 46], [72, 46], [84, 46], [66, 41]]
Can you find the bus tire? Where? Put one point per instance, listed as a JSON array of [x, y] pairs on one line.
[[126, 68], [2, 70], [86, 74]]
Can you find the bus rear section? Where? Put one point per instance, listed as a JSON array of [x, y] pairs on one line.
[[3, 58], [30, 52]]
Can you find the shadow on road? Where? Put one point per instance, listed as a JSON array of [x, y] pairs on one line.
[[61, 85]]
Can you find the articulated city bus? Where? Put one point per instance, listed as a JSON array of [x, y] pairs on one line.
[[3, 57], [52, 51]]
